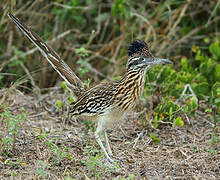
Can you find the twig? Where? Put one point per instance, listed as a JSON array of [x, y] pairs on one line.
[[118, 47], [179, 18], [24, 7], [12, 87], [137, 138], [55, 89], [37, 115], [98, 26], [187, 118], [30, 77], [97, 72], [183, 152], [9, 49], [213, 12], [147, 22], [104, 30], [124, 133], [165, 122], [71, 7], [187, 86]]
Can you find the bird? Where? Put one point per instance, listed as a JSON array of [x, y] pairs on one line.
[[108, 102]]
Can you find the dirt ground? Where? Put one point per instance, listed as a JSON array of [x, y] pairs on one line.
[[47, 147]]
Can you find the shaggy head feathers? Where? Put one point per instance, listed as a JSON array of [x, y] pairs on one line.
[[138, 47]]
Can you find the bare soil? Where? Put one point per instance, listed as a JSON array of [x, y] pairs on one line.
[[50, 147]]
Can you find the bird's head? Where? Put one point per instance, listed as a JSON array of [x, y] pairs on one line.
[[140, 57]]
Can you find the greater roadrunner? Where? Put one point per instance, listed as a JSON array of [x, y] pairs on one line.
[[108, 102]]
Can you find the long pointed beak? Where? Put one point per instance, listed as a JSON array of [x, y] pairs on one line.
[[162, 61], [155, 61]]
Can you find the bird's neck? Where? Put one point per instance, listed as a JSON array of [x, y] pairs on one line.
[[130, 88], [133, 74], [134, 80]]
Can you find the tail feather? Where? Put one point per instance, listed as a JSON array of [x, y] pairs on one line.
[[74, 83]]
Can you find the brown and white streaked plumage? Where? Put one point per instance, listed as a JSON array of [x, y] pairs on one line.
[[73, 82], [108, 102]]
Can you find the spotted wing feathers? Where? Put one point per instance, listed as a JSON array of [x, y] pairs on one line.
[[97, 100]]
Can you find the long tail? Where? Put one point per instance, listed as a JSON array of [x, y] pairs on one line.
[[74, 83]]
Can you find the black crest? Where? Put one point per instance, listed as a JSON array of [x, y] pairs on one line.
[[137, 47]]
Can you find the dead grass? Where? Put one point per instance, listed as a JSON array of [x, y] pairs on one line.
[[183, 153]]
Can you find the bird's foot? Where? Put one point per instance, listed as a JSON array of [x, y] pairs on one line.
[[115, 161], [110, 152], [111, 160]]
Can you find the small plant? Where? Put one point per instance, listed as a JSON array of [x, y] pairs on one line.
[[179, 122], [154, 138], [83, 61], [212, 151], [59, 153], [14, 67], [59, 104], [89, 125], [70, 97], [199, 76], [42, 170], [68, 178], [94, 164], [131, 176], [214, 139], [14, 163], [120, 9], [168, 111], [63, 104], [13, 123]]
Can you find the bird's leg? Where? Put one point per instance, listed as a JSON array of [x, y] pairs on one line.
[[97, 136], [107, 143]]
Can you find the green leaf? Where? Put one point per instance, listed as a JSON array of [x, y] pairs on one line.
[[154, 138], [179, 122], [59, 104], [214, 49], [202, 88], [213, 151], [41, 172], [71, 99], [63, 85], [207, 40], [214, 139], [217, 71], [82, 52], [193, 103], [120, 9], [184, 64]]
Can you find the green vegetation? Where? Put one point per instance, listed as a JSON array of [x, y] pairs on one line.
[[199, 75], [92, 37], [94, 164], [12, 125]]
